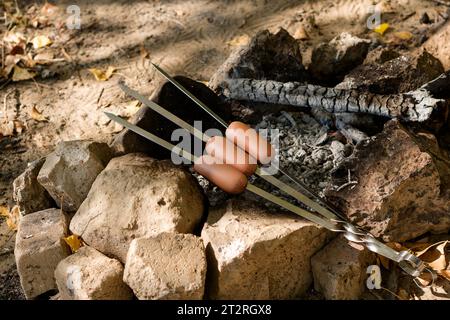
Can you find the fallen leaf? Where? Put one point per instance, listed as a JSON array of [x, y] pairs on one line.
[[17, 50], [403, 35], [7, 129], [37, 115], [44, 58], [239, 40], [381, 29], [301, 34], [12, 216], [74, 242], [403, 294], [16, 38], [101, 75], [132, 107], [20, 74], [445, 274], [40, 42], [435, 256], [18, 126]]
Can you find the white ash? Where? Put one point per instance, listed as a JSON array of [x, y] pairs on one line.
[[308, 151]]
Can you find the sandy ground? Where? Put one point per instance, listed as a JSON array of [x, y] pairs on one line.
[[186, 37]]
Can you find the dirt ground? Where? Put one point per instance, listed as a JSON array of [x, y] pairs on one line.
[[191, 38]]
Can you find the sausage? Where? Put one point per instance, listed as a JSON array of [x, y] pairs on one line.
[[225, 176], [226, 151], [251, 141]]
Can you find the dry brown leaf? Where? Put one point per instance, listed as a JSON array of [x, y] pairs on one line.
[[435, 256], [101, 75], [445, 274], [41, 42], [20, 74], [403, 294], [37, 115]]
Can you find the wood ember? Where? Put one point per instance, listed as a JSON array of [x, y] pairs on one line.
[[416, 106]]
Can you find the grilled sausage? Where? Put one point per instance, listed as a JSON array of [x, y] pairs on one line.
[[225, 176], [226, 151], [249, 140]]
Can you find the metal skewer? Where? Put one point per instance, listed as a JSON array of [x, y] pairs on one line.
[[333, 221]]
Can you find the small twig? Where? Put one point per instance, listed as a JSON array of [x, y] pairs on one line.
[[443, 2], [100, 96], [349, 183]]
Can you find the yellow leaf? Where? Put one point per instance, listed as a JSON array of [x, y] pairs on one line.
[[20, 74], [40, 42], [74, 242], [381, 29], [101, 75], [12, 216], [4, 211], [37, 115], [403, 35], [239, 40]]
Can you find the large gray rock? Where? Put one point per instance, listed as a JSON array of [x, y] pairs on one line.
[[168, 266], [403, 185], [253, 254], [70, 170], [137, 196], [330, 61], [39, 249], [28, 193], [90, 275], [175, 101], [266, 57], [339, 269]]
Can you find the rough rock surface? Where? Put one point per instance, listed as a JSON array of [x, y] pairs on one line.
[[39, 248], [331, 61], [137, 196], [439, 45], [404, 180], [253, 254], [169, 266], [172, 99], [401, 74], [90, 275], [339, 269], [70, 170], [28, 193], [266, 57], [380, 55]]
